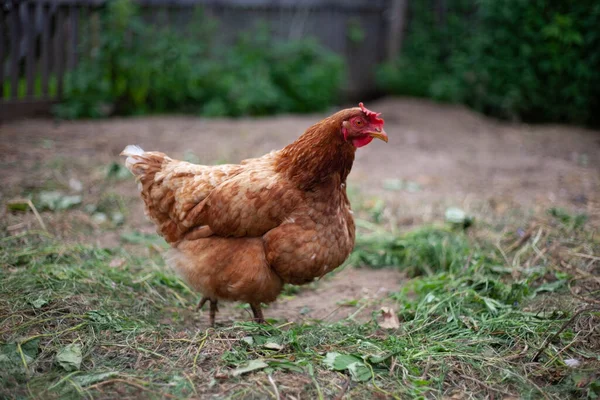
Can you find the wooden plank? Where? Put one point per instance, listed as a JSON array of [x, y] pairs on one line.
[[73, 38], [45, 51], [59, 45], [14, 51], [2, 50], [397, 22], [30, 48]]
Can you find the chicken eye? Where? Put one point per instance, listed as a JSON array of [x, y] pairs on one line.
[[358, 122]]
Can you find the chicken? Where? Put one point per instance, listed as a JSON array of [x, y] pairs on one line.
[[239, 232]]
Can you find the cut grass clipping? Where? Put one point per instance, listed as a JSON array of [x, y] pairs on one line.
[[485, 315]]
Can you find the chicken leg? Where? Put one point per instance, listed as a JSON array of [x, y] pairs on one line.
[[258, 314], [213, 308]]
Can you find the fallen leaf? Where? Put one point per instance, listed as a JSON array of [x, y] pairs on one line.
[[572, 362], [248, 340], [17, 205], [69, 357], [390, 319], [86, 380], [455, 215], [55, 200], [273, 346], [117, 262], [99, 218], [39, 302], [253, 365], [339, 362], [359, 371], [75, 184]]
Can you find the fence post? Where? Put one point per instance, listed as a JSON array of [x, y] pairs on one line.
[[14, 50], [397, 19], [2, 50]]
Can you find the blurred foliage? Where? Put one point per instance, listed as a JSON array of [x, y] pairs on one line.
[[137, 68], [535, 60]]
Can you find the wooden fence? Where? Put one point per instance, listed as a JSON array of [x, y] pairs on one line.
[[40, 40]]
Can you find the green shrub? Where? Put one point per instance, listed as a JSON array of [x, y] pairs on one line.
[[138, 69], [517, 59]]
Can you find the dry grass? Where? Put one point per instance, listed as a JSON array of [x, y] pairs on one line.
[[495, 311]]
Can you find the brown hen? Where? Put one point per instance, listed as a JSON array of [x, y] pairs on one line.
[[240, 231]]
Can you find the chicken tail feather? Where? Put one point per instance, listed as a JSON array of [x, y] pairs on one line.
[[132, 152]]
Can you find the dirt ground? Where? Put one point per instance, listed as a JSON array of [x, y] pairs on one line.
[[442, 155]]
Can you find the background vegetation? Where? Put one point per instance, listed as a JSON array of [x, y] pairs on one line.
[[529, 60], [138, 69], [517, 59]]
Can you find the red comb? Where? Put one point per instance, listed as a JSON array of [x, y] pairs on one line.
[[373, 116]]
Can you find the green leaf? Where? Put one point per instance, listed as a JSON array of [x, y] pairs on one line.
[[17, 205], [55, 200], [39, 302], [253, 365], [30, 349], [248, 340], [86, 380], [285, 365], [117, 171], [69, 357], [10, 359], [378, 359], [339, 362], [550, 286], [359, 371]]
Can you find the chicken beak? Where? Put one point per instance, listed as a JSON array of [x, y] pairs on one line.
[[379, 135]]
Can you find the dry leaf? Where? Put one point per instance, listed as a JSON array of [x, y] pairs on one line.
[[390, 319], [117, 262]]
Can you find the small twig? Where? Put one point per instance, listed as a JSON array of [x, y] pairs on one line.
[[488, 387], [23, 360], [200, 346], [37, 215], [274, 387], [569, 322], [162, 394], [503, 254], [521, 241], [584, 299], [517, 355], [576, 270], [426, 370], [311, 372], [341, 394], [588, 256], [377, 387], [392, 366], [563, 350]]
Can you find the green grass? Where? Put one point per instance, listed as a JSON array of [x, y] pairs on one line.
[[37, 87], [480, 307]]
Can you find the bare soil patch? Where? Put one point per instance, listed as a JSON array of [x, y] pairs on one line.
[[448, 154]]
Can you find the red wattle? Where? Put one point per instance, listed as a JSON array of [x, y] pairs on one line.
[[363, 141]]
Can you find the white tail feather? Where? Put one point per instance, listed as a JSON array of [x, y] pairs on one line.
[[131, 151]]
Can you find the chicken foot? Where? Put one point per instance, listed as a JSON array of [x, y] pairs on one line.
[[258, 314], [213, 308]]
